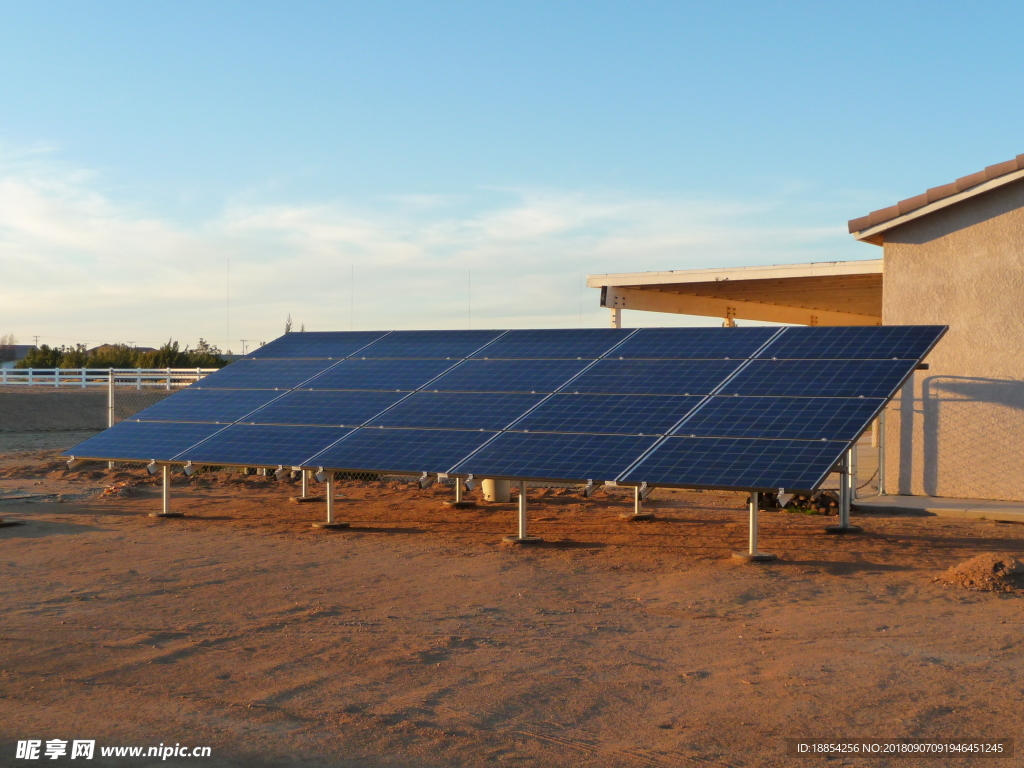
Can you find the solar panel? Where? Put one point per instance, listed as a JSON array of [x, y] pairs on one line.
[[263, 445], [611, 414], [799, 418], [547, 456], [310, 344], [509, 375], [211, 405], [860, 342], [429, 344], [144, 440], [573, 404], [835, 378], [726, 462], [653, 377], [585, 343], [405, 375], [694, 343], [263, 374], [401, 450], [326, 407], [458, 410]]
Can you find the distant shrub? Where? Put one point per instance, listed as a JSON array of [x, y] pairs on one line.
[[170, 355]]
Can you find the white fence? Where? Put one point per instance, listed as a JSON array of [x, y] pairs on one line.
[[140, 378]]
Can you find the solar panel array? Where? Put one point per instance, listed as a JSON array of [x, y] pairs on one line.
[[745, 408]]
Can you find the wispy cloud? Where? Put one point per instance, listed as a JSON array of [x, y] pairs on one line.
[[77, 264]]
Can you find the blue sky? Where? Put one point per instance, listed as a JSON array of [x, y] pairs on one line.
[[143, 146]]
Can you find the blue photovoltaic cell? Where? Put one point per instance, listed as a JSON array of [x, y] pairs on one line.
[[429, 344], [654, 377], [214, 405], [381, 374], [833, 378], [263, 445], [798, 418], [509, 375], [324, 408], [548, 456], [402, 450], [263, 374], [458, 410], [143, 440], [725, 462], [586, 343], [323, 345], [613, 414], [779, 422], [694, 343], [909, 342]]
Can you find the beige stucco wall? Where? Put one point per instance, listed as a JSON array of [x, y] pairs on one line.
[[961, 434]]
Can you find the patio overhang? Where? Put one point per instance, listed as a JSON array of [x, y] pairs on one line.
[[824, 293]]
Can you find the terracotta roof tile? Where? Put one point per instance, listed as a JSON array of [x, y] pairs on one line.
[[936, 193]]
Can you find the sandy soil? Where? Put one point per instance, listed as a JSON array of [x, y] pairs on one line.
[[416, 639]]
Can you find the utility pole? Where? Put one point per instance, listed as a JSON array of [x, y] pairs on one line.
[[243, 344], [36, 338]]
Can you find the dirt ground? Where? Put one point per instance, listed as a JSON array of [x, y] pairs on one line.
[[417, 639]]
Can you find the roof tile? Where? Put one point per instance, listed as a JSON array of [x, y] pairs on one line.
[[936, 193]]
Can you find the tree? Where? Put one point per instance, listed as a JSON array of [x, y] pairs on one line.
[[114, 356], [42, 357], [288, 324], [74, 357]]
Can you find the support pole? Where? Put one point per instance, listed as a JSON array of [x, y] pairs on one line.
[[110, 405], [854, 458], [752, 555], [331, 523], [845, 497], [638, 515], [460, 502], [616, 317], [305, 483], [165, 506], [522, 539], [881, 452]]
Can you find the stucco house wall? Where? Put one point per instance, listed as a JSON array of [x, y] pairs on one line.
[[958, 430]]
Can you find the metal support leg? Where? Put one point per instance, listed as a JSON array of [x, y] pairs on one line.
[[752, 555], [305, 483], [331, 523], [845, 497], [460, 502], [638, 514], [522, 539], [110, 405], [881, 453], [165, 497]]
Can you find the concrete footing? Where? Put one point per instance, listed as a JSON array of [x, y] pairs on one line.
[[754, 557], [331, 526], [643, 517], [523, 541]]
